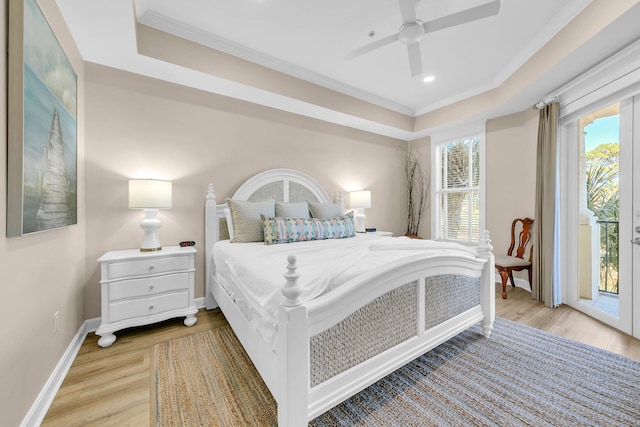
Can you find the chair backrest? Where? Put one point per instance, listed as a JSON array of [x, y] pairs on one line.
[[521, 235]]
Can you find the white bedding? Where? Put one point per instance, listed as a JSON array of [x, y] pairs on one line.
[[252, 273]]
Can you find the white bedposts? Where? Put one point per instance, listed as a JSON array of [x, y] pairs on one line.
[[487, 284], [293, 353], [291, 290], [212, 230]]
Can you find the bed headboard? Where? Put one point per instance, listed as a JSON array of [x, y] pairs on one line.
[[284, 185]]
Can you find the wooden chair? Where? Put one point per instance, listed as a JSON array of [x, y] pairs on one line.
[[507, 264]]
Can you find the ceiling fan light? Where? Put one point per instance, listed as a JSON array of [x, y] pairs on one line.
[[411, 33]]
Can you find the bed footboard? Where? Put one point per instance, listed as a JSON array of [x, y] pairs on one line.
[[325, 359]]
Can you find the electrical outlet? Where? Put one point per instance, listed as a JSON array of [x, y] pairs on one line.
[[56, 322]]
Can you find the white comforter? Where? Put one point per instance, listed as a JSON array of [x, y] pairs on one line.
[[252, 273]]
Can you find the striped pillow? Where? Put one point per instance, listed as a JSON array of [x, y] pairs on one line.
[[288, 230]]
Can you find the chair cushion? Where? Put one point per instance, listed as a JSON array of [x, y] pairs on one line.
[[511, 261]]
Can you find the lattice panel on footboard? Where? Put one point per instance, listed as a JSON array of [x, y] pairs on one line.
[[447, 296], [378, 326]]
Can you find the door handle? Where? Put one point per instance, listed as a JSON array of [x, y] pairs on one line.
[[637, 229], [636, 241]]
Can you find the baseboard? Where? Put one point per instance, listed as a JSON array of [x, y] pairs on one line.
[[42, 403]]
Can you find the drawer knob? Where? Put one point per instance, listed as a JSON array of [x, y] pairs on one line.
[[151, 287], [151, 307], [151, 267]]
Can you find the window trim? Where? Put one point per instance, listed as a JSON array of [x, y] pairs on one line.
[[477, 130]]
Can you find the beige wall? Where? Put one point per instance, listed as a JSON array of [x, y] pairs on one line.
[[137, 126], [39, 273], [511, 174], [173, 49]]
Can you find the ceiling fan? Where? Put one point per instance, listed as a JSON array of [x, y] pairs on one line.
[[413, 29]]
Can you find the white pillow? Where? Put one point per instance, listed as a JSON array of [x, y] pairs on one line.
[[292, 210], [326, 210], [247, 225]]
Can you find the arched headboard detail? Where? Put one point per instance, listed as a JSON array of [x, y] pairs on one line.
[[284, 185]]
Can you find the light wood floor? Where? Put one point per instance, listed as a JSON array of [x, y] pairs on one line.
[[113, 386]]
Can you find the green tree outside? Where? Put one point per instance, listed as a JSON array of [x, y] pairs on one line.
[[602, 166]]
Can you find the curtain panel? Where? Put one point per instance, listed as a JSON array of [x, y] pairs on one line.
[[543, 286]]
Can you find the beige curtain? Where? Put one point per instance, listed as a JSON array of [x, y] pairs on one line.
[[543, 286]]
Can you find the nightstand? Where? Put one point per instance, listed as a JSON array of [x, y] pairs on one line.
[[139, 288]]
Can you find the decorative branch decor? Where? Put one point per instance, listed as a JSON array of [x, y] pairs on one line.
[[417, 193]]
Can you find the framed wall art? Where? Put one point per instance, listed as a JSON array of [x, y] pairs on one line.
[[42, 126]]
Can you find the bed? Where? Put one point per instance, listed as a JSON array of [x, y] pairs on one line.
[[328, 345]]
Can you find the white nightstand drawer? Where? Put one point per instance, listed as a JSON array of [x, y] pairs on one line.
[[147, 266], [122, 310], [147, 286]]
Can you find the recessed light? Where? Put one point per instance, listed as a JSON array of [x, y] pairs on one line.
[[428, 79]]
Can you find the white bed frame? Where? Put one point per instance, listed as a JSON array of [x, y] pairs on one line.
[[286, 372]]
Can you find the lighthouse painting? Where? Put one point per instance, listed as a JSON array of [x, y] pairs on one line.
[[54, 193], [47, 153]]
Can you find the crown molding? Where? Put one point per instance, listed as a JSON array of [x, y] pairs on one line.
[[550, 30], [617, 73], [172, 26]]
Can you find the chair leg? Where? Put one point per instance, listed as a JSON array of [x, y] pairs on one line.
[[530, 283], [505, 276], [513, 282]]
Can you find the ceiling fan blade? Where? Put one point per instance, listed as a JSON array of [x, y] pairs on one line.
[[408, 10], [415, 59], [372, 46], [469, 15]]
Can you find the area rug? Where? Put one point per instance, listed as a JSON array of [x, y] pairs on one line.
[[520, 376]]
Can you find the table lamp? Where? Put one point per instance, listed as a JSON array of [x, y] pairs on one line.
[[150, 195], [360, 200]]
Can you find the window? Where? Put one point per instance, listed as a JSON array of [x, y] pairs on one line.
[[458, 191]]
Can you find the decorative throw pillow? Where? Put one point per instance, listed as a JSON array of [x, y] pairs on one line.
[[292, 210], [326, 210], [247, 225], [288, 230], [227, 215]]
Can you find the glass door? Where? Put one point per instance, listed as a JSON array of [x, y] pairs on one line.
[[633, 231], [601, 216]]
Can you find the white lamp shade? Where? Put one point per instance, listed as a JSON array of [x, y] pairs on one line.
[[149, 194], [360, 199]]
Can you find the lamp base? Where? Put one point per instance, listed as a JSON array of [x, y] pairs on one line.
[[150, 224], [359, 219], [150, 249]]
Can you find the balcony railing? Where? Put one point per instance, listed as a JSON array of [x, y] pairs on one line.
[[608, 255]]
